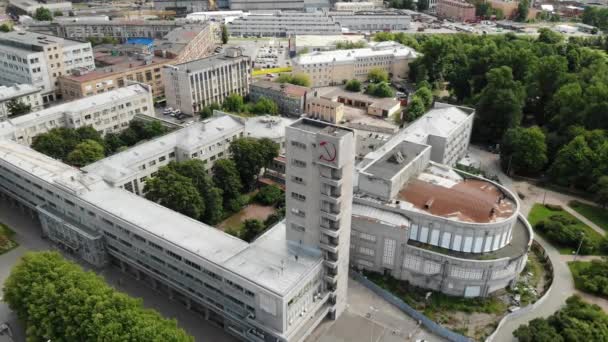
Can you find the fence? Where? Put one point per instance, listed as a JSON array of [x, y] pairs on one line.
[[422, 319]]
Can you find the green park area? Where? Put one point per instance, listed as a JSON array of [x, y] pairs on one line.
[[595, 214], [591, 276], [565, 231]]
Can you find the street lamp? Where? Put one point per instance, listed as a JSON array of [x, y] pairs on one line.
[[579, 246]]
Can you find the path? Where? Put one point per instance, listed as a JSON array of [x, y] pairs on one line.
[[585, 220]]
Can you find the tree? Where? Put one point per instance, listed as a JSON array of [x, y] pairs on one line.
[[214, 208], [269, 195], [52, 144], [112, 142], [573, 164], [600, 188], [523, 150], [207, 111], [265, 105], [549, 36], [377, 75], [224, 34], [85, 153], [5, 28], [500, 105], [523, 8], [251, 229], [353, 85], [233, 103], [57, 13], [227, 178], [297, 79], [380, 90], [16, 107], [423, 5], [425, 95], [174, 191], [43, 14], [415, 109], [348, 45], [250, 156], [57, 300]]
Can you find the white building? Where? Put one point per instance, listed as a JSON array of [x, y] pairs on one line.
[[107, 112], [29, 7], [355, 6], [23, 93], [193, 85], [38, 59], [333, 67], [277, 288]]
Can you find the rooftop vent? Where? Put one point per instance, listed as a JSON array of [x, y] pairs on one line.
[[396, 158]]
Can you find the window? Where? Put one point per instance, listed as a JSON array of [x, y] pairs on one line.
[[298, 228], [139, 238], [412, 262], [298, 212], [424, 234], [298, 144], [297, 179], [155, 245], [445, 240], [297, 196], [367, 237], [464, 273], [162, 159], [175, 256], [431, 267], [414, 232], [366, 251], [192, 264], [434, 237], [365, 263], [389, 252], [298, 163]]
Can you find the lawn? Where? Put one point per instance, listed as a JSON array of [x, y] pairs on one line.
[[250, 211], [6, 241], [595, 214], [540, 212]]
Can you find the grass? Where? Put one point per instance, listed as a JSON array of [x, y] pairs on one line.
[[595, 214], [540, 212], [259, 72]]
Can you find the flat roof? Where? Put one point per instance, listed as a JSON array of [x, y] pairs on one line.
[[370, 213], [267, 126], [9, 92], [441, 191], [291, 90], [125, 164], [316, 126], [207, 62], [394, 161], [375, 49], [274, 262], [325, 40], [34, 38]]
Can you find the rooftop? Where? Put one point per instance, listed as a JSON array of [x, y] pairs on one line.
[[316, 126], [393, 162], [125, 164], [266, 126], [274, 262], [374, 214], [9, 92], [121, 22], [325, 102], [208, 62], [375, 49], [20, 40], [291, 90], [326, 40], [115, 65], [441, 191], [178, 38]]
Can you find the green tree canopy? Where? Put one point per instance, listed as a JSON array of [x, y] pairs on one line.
[[353, 85], [86, 152], [59, 301], [207, 111], [16, 107], [423, 5], [227, 178], [549, 36], [265, 105], [600, 188], [176, 192], [426, 95], [6, 28], [377, 75], [269, 195], [523, 150], [500, 105], [224, 34], [380, 90], [348, 45], [573, 165], [251, 229], [233, 103], [43, 14], [523, 8], [250, 156], [415, 109], [297, 79]]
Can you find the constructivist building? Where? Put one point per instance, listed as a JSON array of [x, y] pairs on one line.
[[289, 98], [26, 94], [277, 288], [107, 113], [334, 67], [420, 220], [39, 59], [193, 85]]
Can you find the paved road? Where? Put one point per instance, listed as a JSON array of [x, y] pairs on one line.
[[563, 284], [28, 236]]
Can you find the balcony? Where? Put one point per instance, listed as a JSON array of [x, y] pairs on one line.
[[329, 214], [328, 247], [330, 263], [332, 279], [330, 232], [251, 336], [332, 198], [329, 180]]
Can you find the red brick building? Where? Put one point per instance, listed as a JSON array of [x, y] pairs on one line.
[[456, 10]]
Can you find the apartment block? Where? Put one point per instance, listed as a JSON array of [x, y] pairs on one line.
[[189, 42], [23, 93], [456, 10], [107, 113], [327, 68], [39, 59], [289, 98], [120, 29], [193, 85]]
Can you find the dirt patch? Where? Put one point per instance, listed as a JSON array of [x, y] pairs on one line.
[[250, 211]]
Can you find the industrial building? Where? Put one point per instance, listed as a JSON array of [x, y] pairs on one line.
[[277, 288], [107, 112], [333, 67], [193, 85], [289, 98], [26, 94], [39, 59]]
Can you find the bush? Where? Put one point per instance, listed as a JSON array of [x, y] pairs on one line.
[[269, 195], [381, 89], [563, 231], [353, 85], [592, 277]]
